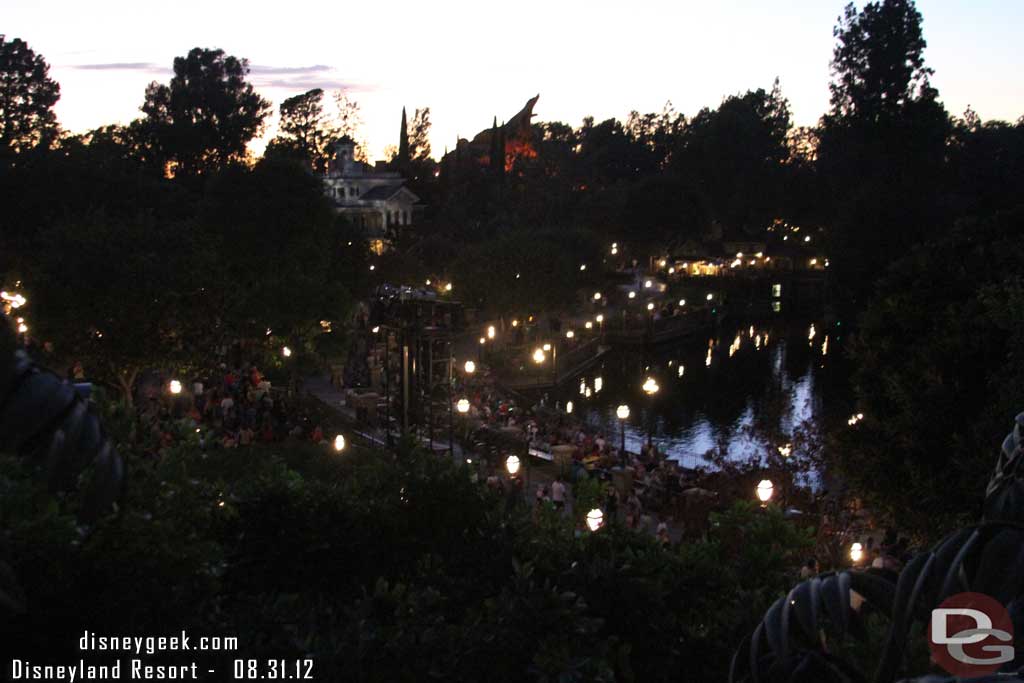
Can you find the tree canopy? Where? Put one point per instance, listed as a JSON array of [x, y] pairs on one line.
[[277, 245], [206, 116], [305, 132], [27, 98], [938, 371], [882, 148], [878, 62]]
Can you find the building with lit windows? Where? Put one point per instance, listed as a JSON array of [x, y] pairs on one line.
[[370, 197]]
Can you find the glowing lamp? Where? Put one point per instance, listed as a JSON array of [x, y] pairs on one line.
[[764, 490], [595, 519], [512, 464], [339, 443], [622, 412], [856, 552], [174, 386], [470, 367], [462, 406]]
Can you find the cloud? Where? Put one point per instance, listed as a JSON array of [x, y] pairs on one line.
[[302, 77], [311, 83], [121, 66], [285, 70], [262, 75]]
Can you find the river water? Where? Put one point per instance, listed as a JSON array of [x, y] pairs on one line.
[[741, 390]]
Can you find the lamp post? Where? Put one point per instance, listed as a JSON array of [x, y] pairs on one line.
[[650, 388], [462, 406], [539, 357], [622, 412], [451, 407], [387, 388]]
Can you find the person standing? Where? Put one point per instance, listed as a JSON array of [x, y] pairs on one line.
[[633, 511], [558, 494], [611, 504], [809, 569], [662, 534]]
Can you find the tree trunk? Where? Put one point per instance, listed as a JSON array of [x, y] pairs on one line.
[[126, 381]]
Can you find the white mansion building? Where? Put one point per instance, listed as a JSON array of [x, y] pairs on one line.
[[372, 198]]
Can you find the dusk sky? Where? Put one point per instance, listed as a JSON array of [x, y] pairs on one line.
[[470, 61]]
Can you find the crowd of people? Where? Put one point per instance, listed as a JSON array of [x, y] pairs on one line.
[[230, 406], [648, 494]]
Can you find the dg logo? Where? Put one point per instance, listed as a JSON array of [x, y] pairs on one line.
[[970, 635]]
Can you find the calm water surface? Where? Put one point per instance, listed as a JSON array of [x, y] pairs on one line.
[[747, 379]]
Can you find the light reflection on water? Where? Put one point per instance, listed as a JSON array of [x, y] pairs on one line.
[[747, 396]]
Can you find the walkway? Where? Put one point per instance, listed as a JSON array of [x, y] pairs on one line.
[[535, 472]]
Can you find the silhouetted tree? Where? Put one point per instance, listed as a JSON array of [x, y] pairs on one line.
[[402, 160], [986, 165], [878, 62], [419, 135], [305, 131], [735, 157], [938, 373], [27, 97], [883, 144], [206, 116], [492, 154], [350, 122], [275, 237]]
